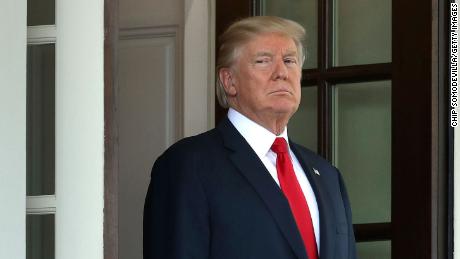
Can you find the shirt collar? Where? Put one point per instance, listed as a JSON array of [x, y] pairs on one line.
[[259, 138]]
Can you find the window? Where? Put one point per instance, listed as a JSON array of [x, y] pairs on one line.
[[352, 110], [40, 166]]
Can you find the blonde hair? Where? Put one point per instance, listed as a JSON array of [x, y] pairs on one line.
[[242, 31]]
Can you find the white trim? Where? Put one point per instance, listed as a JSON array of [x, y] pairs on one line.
[[211, 63], [41, 34], [196, 78], [147, 32], [199, 91], [44, 204], [167, 36]]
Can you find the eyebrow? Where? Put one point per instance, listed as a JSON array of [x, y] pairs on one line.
[[269, 54], [290, 53], [263, 53]]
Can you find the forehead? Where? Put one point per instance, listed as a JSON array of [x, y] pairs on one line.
[[270, 43]]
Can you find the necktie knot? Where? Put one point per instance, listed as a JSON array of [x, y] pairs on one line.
[[279, 146]]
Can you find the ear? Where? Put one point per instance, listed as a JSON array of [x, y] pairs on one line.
[[228, 81]]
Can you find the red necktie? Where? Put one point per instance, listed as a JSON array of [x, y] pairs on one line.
[[291, 189]]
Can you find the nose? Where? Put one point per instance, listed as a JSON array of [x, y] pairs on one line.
[[280, 71]]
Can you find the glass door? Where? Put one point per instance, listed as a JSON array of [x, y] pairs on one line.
[[346, 104], [373, 94]]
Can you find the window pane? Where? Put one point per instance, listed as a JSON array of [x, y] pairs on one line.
[[40, 119], [362, 32], [362, 147], [40, 12], [303, 127], [374, 250], [40, 237], [304, 12]]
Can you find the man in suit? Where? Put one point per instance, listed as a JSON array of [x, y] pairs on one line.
[[244, 190]]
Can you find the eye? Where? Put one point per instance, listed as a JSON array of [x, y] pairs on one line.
[[262, 60], [290, 61]]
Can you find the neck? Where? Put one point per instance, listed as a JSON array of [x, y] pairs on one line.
[[275, 123]]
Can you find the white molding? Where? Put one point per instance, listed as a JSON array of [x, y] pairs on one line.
[[44, 204], [168, 37], [211, 63], [198, 66], [147, 32], [41, 34], [195, 69]]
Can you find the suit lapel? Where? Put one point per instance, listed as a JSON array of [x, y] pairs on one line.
[[250, 166], [326, 211]]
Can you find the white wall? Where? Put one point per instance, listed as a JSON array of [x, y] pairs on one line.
[[13, 128], [79, 129]]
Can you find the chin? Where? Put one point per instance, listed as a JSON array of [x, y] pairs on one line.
[[286, 106], [288, 109]]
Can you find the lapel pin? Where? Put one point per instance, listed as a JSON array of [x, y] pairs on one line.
[[316, 171]]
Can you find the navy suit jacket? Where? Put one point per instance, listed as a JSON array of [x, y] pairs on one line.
[[210, 196]]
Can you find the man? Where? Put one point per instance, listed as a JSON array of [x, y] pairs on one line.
[[244, 190]]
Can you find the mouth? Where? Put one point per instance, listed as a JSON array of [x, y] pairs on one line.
[[280, 92]]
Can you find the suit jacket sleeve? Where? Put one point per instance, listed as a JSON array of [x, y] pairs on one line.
[[346, 203], [176, 224]]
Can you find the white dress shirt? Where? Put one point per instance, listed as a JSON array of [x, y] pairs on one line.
[[261, 140]]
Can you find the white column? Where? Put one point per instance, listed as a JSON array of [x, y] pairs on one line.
[[79, 129], [13, 44]]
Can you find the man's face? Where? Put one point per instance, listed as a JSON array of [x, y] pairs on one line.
[[265, 80]]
